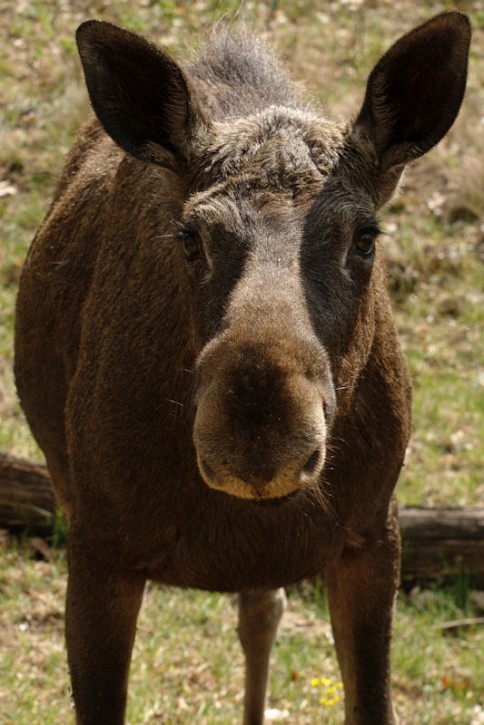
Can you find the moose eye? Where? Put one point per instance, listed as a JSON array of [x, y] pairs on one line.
[[191, 247], [364, 242]]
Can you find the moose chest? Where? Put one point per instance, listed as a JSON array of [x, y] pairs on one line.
[[225, 546]]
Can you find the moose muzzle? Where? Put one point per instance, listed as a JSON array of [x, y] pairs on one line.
[[264, 407]]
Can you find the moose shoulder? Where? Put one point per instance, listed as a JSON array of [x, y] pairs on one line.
[[205, 350]]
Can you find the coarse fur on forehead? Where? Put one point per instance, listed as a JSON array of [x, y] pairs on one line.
[[281, 172], [279, 150]]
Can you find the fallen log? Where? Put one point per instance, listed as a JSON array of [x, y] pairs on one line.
[[26, 497], [437, 543]]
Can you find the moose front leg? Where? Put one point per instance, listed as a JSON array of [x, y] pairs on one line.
[[362, 585], [260, 612], [101, 614]]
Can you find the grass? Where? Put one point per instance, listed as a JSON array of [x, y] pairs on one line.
[[187, 660], [188, 667]]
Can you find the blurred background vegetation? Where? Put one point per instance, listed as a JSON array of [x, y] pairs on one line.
[[187, 663]]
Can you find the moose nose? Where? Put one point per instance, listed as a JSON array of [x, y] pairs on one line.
[[264, 474], [262, 417], [262, 469], [257, 472]]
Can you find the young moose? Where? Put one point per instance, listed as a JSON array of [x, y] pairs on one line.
[[206, 353]]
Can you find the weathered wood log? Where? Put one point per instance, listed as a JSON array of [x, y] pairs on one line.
[[26, 497], [436, 542], [442, 542]]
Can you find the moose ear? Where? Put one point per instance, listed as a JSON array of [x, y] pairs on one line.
[[139, 94], [415, 91]]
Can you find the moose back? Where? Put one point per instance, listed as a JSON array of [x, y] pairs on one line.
[[205, 349]]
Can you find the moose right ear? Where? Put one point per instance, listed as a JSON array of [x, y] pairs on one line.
[[414, 92], [139, 94]]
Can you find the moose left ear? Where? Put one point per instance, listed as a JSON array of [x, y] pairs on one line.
[[415, 91]]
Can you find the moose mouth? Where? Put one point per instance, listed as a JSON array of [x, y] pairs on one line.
[[264, 485], [277, 502]]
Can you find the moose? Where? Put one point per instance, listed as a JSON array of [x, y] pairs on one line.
[[205, 349]]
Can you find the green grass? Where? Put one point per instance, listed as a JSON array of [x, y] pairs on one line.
[[187, 663], [441, 318], [188, 666]]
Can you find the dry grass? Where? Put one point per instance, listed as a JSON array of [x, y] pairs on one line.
[[186, 641], [188, 666]]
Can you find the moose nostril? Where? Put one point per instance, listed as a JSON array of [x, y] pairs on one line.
[[312, 462]]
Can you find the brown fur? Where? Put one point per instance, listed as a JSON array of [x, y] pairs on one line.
[[207, 356]]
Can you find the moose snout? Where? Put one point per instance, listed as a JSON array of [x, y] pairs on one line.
[[270, 464], [261, 423], [261, 472]]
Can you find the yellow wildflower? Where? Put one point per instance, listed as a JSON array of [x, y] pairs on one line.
[[330, 701]]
